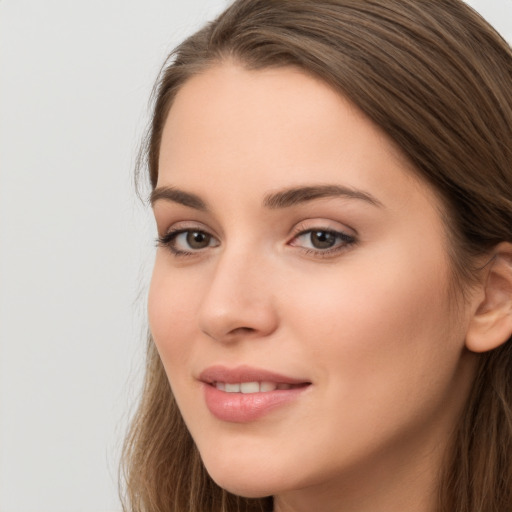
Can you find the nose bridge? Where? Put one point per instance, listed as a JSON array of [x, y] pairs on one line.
[[239, 299]]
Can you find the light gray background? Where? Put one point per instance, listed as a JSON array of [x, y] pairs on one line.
[[75, 244]]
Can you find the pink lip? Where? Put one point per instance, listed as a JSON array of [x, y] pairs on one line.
[[244, 374], [240, 407]]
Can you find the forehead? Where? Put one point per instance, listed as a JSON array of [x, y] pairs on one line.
[[269, 127]]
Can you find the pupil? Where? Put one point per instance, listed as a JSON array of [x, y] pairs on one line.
[[323, 239], [198, 240]]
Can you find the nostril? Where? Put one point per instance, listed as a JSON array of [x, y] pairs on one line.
[[242, 330], [231, 334]]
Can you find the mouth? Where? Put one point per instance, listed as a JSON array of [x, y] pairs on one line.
[[245, 394]]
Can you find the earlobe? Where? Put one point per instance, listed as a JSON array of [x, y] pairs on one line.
[[491, 324]]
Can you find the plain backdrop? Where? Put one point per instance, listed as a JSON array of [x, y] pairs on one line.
[[76, 245]]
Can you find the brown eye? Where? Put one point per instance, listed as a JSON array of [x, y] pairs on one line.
[[187, 241], [322, 239], [197, 239]]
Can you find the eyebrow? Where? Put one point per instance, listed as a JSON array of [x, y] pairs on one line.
[[277, 200], [177, 196], [297, 195]]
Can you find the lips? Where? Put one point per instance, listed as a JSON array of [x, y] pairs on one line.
[[245, 394]]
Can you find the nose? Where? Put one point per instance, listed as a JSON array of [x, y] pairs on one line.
[[239, 301]]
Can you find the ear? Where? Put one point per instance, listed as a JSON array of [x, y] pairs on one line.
[[491, 324]]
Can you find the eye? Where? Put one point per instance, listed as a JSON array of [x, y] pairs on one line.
[[187, 241], [322, 240]]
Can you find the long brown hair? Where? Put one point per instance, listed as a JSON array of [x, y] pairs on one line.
[[438, 80]]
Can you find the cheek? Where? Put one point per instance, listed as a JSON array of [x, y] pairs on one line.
[[171, 315], [376, 328], [384, 349]]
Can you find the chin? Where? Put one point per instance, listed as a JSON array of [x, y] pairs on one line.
[[247, 480], [250, 487]]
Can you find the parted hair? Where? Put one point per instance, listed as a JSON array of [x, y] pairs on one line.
[[437, 79]]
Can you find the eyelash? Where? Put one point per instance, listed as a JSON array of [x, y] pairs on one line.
[[343, 241]]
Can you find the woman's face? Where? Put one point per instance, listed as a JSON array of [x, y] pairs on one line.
[[300, 297]]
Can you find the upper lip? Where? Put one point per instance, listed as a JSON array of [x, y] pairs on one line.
[[244, 373]]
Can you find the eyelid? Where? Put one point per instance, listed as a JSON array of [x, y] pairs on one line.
[[170, 224], [322, 224]]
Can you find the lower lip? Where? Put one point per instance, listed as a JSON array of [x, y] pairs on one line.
[[246, 407]]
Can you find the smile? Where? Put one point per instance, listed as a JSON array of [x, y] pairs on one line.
[[245, 394], [254, 387]]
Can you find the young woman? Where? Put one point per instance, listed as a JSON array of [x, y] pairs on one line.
[[331, 303]]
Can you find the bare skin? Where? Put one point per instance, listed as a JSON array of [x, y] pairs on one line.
[[302, 243]]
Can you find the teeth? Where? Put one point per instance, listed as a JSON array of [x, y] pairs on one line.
[[267, 386], [250, 387]]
